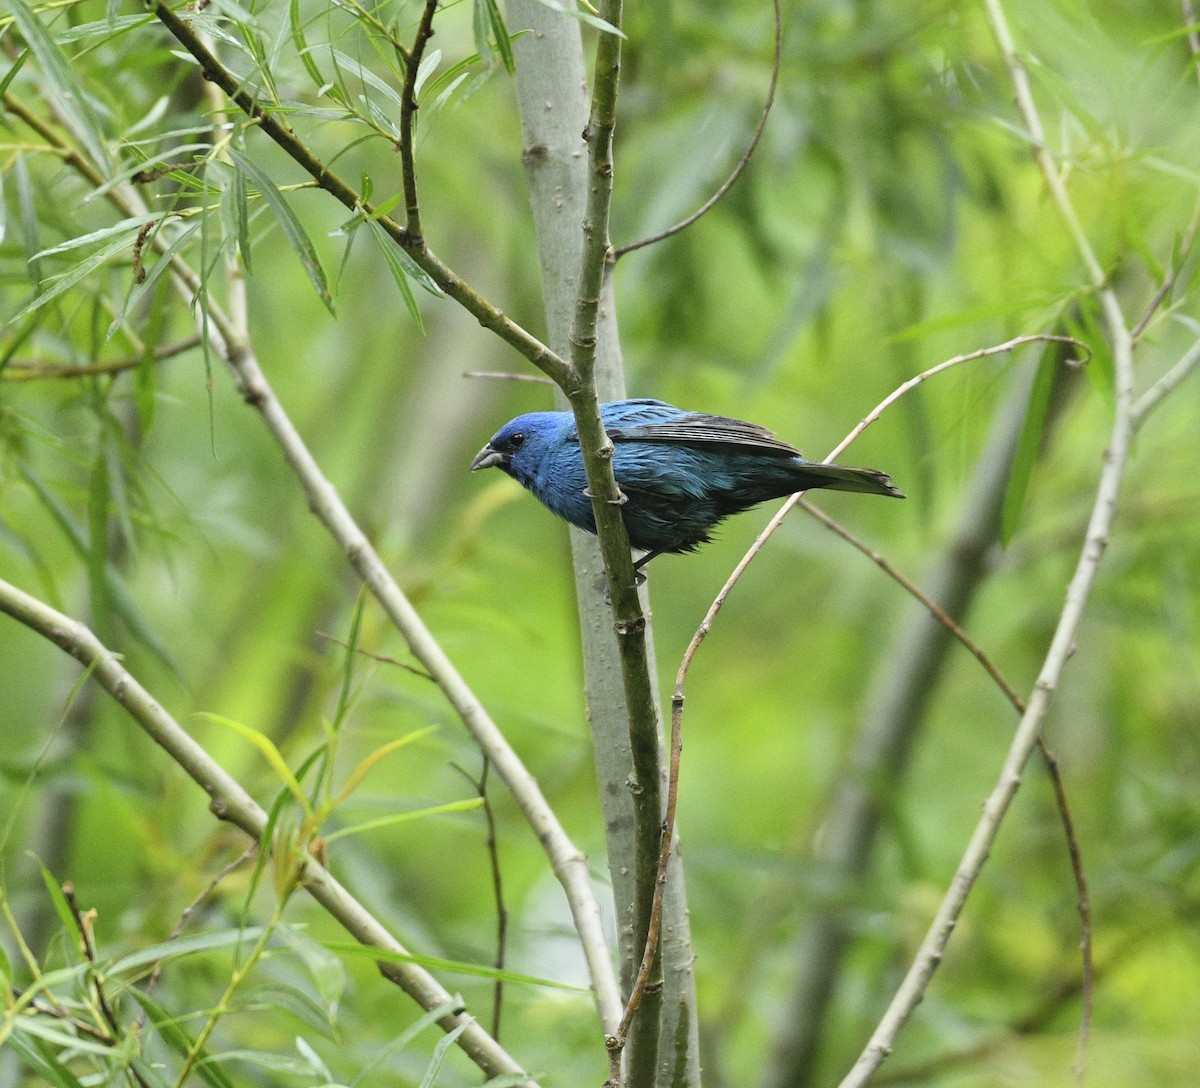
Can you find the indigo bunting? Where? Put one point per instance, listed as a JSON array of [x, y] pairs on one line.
[[681, 472]]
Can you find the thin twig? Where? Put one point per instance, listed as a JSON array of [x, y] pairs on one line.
[[743, 162], [275, 126], [232, 803], [1185, 247], [491, 844], [408, 110], [507, 377], [1083, 896], [932, 949], [30, 371], [189, 910], [701, 633], [381, 658], [1171, 380]]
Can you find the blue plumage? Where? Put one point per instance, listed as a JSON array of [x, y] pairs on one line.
[[682, 472]]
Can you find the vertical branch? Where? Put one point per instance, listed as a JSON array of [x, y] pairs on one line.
[[629, 621], [408, 109], [552, 91]]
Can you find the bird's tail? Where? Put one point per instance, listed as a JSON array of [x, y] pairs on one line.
[[842, 478]]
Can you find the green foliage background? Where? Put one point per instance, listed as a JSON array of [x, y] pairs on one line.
[[891, 218]]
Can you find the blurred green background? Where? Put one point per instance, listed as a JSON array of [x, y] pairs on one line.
[[891, 218]]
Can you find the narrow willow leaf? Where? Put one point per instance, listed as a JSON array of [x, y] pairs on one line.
[[139, 291], [67, 92], [35, 1025], [439, 1054], [407, 1036], [269, 752], [386, 955], [63, 283], [395, 266], [483, 32], [368, 78], [500, 31], [314, 1059], [42, 1060], [326, 969], [583, 16], [179, 1039], [27, 210], [126, 227], [297, 238], [350, 660], [360, 772], [11, 74], [300, 43], [427, 67], [403, 817], [1028, 445], [178, 948]]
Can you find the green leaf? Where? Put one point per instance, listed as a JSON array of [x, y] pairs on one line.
[[403, 817], [396, 267], [1028, 445], [583, 16], [42, 1060], [439, 1054], [351, 658], [431, 1017], [67, 92], [36, 1025], [360, 772], [61, 907], [181, 946], [179, 1039], [297, 238], [386, 955], [269, 752], [128, 226], [64, 282], [326, 969], [499, 31]]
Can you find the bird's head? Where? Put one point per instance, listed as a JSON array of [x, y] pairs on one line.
[[521, 444]]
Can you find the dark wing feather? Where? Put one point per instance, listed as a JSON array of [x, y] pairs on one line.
[[695, 428]]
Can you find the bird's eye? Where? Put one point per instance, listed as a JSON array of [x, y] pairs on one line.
[[517, 440]]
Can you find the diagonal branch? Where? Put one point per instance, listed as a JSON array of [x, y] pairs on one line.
[[1104, 509], [568, 862], [277, 128], [232, 803]]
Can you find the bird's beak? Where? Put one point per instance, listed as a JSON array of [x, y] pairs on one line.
[[487, 458]]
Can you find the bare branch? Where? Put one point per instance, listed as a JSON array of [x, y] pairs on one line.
[[1100, 523], [743, 162], [232, 803]]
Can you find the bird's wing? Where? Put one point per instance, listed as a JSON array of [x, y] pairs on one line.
[[695, 428]]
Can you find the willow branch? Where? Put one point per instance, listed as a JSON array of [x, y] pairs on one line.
[[1095, 541], [277, 128], [743, 162], [29, 370], [408, 111], [232, 803], [1083, 896], [629, 621], [568, 862]]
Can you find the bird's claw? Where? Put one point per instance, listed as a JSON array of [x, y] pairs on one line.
[[620, 500]]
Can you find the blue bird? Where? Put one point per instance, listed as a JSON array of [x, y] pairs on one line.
[[681, 472]]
